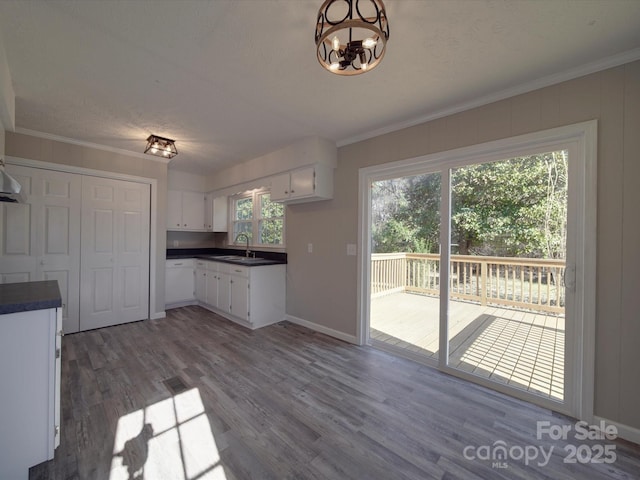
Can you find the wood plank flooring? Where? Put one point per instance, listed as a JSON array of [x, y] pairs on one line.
[[194, 396]]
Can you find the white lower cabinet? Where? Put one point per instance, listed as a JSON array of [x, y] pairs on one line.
[[201, 281], [240, 297], [224, 291], [179, 282], [251, 296]]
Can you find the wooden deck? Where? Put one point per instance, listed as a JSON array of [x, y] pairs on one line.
[[517, 348]]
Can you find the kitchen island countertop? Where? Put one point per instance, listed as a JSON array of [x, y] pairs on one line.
[[27, 296]]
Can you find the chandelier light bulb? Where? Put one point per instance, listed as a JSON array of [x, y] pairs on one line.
[[369, 42], [335, 43], [334, 66]]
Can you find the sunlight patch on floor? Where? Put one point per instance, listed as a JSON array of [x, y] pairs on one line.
[[171, 439]]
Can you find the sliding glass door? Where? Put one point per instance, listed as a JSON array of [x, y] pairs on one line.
[[510, 223]]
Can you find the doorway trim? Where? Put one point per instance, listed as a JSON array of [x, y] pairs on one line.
[[583, 187]]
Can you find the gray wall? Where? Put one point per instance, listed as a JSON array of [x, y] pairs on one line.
[[44, 150], [321, 286]]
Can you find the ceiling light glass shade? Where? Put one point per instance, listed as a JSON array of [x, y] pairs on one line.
[[351, 35], [161, 147]]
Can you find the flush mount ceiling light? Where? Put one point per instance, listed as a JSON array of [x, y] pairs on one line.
[[161, 147], [351, 35]]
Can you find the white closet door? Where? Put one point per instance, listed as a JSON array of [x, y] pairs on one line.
[[41, 238], [57, 216], [115, 252], [17, 256]]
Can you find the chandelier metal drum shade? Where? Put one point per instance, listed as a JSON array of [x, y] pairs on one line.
[[161, 147], [351, 35]]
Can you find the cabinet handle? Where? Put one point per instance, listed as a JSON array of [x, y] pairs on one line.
[[185, 224], [177, 224], [177, 264], [286, 192]]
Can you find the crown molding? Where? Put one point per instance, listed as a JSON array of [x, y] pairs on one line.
[[96, 146], [581, 71]]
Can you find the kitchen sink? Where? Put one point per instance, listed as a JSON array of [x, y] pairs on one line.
[[238, 259], [248, 259]]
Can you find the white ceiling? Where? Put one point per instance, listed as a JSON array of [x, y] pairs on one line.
[[231, 80]]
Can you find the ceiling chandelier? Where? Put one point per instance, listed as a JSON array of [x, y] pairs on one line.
[[161, 147], [351, 35]]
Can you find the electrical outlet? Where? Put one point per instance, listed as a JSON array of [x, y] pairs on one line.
[[351, 249], [310, 247]]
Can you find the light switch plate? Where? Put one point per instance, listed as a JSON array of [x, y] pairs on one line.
[[310, 247], [351, 249]]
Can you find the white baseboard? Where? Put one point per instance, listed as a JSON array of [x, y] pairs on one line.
[[624, 431], [155, 316], [322, 329], [185, 303]]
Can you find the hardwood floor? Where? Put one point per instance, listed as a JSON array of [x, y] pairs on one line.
[[194, 396]]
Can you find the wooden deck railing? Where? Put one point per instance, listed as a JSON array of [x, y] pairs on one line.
[[529, 283]]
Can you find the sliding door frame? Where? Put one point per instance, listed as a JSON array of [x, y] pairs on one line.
[[581, 140]]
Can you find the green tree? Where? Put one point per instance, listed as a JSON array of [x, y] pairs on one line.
[[515, 207]]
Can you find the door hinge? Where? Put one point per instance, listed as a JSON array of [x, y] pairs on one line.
[[56, 431], [57, 353]]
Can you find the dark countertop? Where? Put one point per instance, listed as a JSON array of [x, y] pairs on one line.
[[27, 296], [214, 254], [250, 262]]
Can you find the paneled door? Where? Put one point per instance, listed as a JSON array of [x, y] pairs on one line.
[[115, 252], [41, 238]]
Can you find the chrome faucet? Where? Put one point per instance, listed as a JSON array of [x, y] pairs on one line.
[[246, 237]]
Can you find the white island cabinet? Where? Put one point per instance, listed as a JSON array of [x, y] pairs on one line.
[[31, 322]]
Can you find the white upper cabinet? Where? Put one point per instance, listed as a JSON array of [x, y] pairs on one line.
[[308, 184], [186, 211], [215, 213]]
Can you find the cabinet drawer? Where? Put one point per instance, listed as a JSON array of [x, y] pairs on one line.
[[181, 263], [239, 271]]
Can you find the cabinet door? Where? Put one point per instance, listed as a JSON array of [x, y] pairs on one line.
[[208, 213], [302, 182], [179, 285], [280, 185], [212, 289], [201, 285], [220, 214], [193, 211], [224, 292], [174, 210], [240, 297]]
